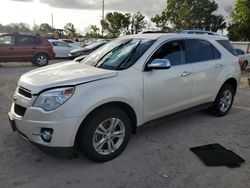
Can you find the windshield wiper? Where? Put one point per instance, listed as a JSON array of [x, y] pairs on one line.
[[116, 48]]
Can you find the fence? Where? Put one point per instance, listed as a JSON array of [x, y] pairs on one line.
[[245, 46]]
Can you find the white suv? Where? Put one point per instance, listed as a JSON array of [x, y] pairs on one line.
[[95, 104]]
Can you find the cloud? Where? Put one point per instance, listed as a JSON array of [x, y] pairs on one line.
[[149, 7]]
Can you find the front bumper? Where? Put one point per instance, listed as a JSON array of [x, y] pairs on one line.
[[30, 125]]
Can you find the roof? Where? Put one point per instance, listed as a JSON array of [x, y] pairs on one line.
[[155, 36]]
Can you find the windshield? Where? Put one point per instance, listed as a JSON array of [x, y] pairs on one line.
[[119, 54]]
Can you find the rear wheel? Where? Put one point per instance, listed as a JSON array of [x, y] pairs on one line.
[[223, 101], [105, 134], [41, 60]]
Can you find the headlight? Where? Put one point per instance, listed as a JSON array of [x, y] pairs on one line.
[[52, 99]]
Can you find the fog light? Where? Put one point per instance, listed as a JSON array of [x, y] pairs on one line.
[[46, 134]]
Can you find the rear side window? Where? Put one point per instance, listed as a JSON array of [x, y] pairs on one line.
[[226, 44], [239, 52], [24, 40], [200, 50], [37, 40]]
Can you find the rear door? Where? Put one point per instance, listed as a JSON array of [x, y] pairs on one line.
[[7, 48], [25, 47], [168, 91], [206, 65]]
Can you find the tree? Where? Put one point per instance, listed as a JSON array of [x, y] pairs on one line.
[[240, 27], [137, 23], [190, 14], [44, 29], [93, 32], [15, 27], [70, 30], [116, 23]]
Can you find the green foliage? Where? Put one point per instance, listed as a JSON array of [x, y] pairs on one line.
[[190, 14], [70, 30], [14, 27], [240, 27], [138, 23], [116, 23], [94, 32]]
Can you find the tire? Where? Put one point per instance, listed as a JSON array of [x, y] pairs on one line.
[[244, 65], [96, 134], [41, 60], [223, 101]]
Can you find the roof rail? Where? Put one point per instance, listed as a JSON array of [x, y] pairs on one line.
[[200, 32]]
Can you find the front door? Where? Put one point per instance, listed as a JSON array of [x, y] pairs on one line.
[[168, 91]]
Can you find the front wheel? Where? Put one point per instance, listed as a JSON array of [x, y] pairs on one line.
[[105, 134], [223, 101]]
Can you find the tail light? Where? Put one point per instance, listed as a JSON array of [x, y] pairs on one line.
[[240, 61]]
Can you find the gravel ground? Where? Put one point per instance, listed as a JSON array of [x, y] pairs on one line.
[[158, 156]]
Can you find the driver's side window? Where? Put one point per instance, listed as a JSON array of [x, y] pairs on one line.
[[174, 51]]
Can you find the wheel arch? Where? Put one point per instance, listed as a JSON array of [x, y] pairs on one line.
[[118, 104], [232, 82]]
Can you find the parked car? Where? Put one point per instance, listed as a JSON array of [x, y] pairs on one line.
[[97, 103], [61, 48], [244, 58], [22, 47], [80, 58], [72, 42], [86, 50]]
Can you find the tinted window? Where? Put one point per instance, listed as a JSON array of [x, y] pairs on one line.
[[59, 43], [24, 40], [239, 52], [174, 51], [68, 41], [226, 44], [6, 39], [199, 50], [216, 53], [37, 40]]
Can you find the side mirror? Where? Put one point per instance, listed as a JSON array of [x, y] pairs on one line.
[[159, 64]]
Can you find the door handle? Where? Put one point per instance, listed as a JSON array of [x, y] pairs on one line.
[[218, 65], [34, 48], [186, 73], [11, 48]]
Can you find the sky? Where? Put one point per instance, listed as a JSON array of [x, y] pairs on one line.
[[82, 13]]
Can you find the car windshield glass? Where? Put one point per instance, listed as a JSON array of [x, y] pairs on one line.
[[118, 54]]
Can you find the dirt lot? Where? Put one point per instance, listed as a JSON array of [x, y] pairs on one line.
[[158, 156]]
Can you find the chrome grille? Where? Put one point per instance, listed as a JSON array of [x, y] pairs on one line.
[[24, 92]]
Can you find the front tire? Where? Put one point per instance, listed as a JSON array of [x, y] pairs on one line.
[[105, 134], [223, 101]]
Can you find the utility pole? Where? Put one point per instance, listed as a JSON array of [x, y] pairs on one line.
[[52, 21], [103, 4]]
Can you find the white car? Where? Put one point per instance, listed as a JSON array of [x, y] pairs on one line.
[[95, 104], [71, 42], [61, 48], [244, 58]]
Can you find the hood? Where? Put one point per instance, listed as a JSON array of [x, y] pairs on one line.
[[67, 73], [79, 50]]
